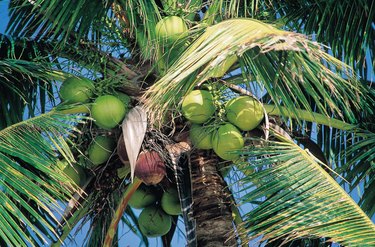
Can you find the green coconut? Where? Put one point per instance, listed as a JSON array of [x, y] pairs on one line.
[[170, 29], [198, 106], [76, 90], [244, 112], [125, 99], [226, 141], [170, 202], [144, 196], [75, 172], [154, 222], [108, 111], [101, 149], [200, 136]]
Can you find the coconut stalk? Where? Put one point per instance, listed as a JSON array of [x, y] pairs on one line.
[[308, 116], [120, 211], [211, 202]]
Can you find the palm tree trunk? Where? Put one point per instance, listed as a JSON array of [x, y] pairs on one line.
[[211, 202]]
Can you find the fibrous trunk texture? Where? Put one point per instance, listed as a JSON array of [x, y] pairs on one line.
[[211, 202]]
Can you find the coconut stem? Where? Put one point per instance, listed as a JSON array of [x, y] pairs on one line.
[[120, 211], [308, 116]]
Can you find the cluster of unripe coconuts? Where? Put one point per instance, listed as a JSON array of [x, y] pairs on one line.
[[242, 113], [108, 111], [158, 207]]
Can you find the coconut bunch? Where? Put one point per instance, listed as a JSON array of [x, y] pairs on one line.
[[157, 197], [158, 200], [107, 111], [79, 96], [158, 206], [222, 130], [242, 114]]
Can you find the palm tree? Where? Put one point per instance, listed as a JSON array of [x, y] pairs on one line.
[[292, 182]]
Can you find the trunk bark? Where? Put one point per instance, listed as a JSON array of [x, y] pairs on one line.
[[211, 202]]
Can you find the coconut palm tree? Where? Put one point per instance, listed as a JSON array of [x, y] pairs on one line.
[[307, 66]]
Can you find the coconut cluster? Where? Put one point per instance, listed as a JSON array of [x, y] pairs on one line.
[[159, 202], [158, 207], [106, 110], [241, 114]]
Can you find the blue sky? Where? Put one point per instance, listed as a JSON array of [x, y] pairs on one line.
[[3, 14]]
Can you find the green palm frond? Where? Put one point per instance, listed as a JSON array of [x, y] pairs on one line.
[[346, 26], [302, 199], [222, 10], [140, 18], [324, 136], [290, 67], [32, 185], [30, 71], [367, 199], [25, 87], [359, 167], [65, 230], [26, 77], [57, 20]]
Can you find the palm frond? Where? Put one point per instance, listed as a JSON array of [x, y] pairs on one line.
[[79, 19], [65, 230], [302, 199], [346, 26], [324, 136], [26, 80], [222, 10], [359, 167], [140, 18], [293, 70], [32, 185], [367, 199]]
